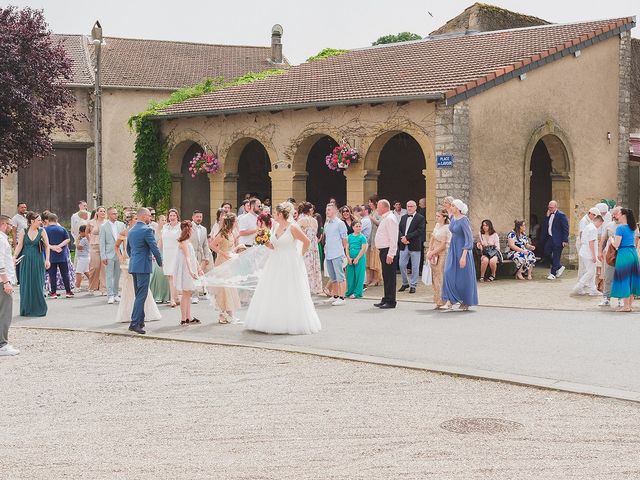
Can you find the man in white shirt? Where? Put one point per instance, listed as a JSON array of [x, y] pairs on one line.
[[589, 254], [248, 223], [398, 211], [7, 277], [76, 220], [201, 248], [386, 242]]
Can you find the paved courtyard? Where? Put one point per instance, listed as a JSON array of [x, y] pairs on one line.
[[92, 406]]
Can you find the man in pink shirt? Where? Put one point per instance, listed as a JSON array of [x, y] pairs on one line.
[[386, 242]]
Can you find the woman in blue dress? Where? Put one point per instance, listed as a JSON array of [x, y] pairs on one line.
[[626, 278], [459, 285], [521, 250]]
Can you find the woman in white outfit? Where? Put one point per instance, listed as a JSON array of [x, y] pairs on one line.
[[169, 248], [282, 301], [125, 307], [185, 272]]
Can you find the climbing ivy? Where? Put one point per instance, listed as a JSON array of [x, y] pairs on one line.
[[152, 180], [326, 53]]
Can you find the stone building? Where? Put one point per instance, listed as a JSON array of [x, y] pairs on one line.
[[505, 120], [134, 72]]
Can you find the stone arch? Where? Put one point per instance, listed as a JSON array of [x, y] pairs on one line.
[[548, 169], [372, 156], [181, 142], [244, 168], [321, 183]]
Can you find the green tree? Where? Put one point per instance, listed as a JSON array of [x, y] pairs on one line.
[[401, 37]]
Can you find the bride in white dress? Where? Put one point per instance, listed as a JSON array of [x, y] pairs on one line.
[[284, 283]]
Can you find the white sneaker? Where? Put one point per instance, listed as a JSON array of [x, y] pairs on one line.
[[551, 276], [111, 300], [8, 351], [620, 303], [338, 301], [560, 272], [604, 303], [330, 300], [352, 296], [195, 300], [117, 298], [96, 293]]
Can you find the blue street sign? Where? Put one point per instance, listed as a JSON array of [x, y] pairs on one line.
[[444, 161]]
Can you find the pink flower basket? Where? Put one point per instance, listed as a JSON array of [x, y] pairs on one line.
[[341, 157], [204, 163]]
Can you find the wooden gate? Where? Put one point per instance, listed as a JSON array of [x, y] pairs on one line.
[[56, 183]]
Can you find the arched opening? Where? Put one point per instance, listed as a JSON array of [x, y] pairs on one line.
[[194, 191], [401, 165], [253, 172], [549, 178], [539, 184], [322, 182]]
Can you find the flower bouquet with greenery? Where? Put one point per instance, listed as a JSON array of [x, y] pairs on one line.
[[204, 163]]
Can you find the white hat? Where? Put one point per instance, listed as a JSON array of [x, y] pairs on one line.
[[602, 207], [460, 205], [595, 211]]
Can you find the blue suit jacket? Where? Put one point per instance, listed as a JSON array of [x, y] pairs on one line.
[[559, 229], [140, 245]]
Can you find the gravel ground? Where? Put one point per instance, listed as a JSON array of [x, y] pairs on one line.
[[89, 406]]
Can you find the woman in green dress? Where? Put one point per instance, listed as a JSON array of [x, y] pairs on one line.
[[32, 243], [159, 283], [356, 261]]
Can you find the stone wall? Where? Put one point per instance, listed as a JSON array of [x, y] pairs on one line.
[[624, 117], [452, 138]]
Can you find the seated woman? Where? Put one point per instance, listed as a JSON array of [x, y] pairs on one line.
[[521, 251], [489, 246]]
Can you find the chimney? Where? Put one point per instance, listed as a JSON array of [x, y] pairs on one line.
[[276, 44]]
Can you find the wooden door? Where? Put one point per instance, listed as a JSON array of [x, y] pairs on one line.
[[56, 183]]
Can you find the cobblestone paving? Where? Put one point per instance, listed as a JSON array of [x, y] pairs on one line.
[[91, 406]]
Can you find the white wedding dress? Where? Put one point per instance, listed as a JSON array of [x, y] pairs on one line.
[[282, 301]]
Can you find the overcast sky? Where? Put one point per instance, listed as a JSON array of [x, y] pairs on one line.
[[308, 26]]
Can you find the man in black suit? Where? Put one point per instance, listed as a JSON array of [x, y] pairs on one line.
[[410, 233], [555, 235]]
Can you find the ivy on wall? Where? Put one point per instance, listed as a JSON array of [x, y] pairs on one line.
[[152, 180]]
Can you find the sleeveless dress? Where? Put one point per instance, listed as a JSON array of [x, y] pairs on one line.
[[159, 283], [181, 273], [227, 299], [32, 301], [170, 251], [128, 296], [626, 278], [282, 301], [312, 259]]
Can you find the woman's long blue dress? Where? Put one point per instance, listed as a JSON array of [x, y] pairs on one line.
[[459, 284]]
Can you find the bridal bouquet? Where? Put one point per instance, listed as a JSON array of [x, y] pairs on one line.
[[204, 163], [263, 235]]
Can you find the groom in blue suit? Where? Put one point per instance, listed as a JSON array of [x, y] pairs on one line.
[[141, 243]]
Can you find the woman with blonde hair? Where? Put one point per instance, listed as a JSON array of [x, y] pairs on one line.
[[374, 266], [309, 226], [224, 244], [437, 254], [97, 271]]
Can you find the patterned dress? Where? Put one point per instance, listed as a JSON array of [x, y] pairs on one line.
[[312, 257], [441, 234], [522, 260]]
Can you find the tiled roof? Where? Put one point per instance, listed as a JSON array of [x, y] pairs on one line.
[[162, 64], [436, 67]]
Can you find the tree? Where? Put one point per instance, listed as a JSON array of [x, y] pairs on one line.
[[33, 100], [401, 37]]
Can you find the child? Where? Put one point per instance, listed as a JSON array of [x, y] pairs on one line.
[[356, 261], [82, 256]]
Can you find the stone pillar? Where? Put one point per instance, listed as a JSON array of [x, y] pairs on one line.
[[452, 138], [282, 181], [624, 117], [355, 185], [370, 184], [299, 185], [216, 194], [9, 199], [176, 191], [230, 189]]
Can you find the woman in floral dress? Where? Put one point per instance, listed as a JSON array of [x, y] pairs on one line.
[[521, 251], [309, 226]]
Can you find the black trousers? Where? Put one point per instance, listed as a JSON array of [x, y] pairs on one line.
[[64, 273], [389, 277]]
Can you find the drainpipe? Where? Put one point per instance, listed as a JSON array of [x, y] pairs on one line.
[[96, 37]]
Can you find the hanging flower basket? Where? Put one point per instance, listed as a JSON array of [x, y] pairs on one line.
[[207, 163], [341, 157]]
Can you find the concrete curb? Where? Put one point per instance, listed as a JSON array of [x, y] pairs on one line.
[[471, 373]]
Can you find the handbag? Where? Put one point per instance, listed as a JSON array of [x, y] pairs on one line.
[[491, 251], [612, 254], [427, 277]]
